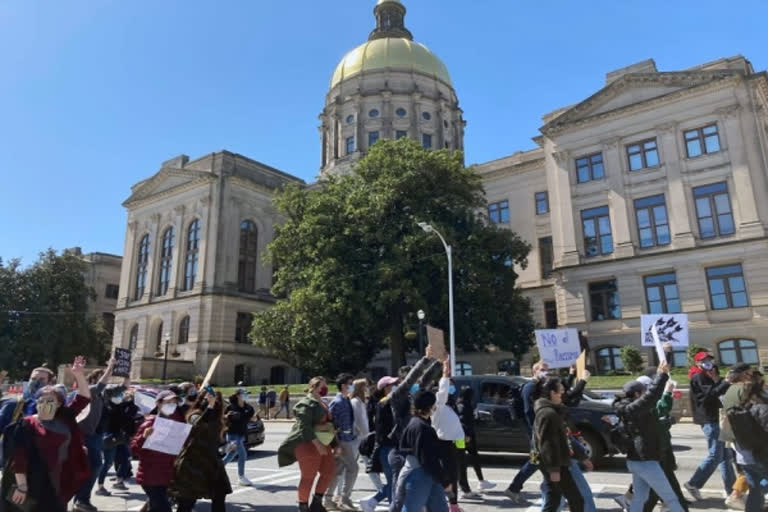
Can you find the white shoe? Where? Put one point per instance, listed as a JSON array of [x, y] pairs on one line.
[[368, 504], [471, 495], [735, 502], [244, 481], [484, 485]]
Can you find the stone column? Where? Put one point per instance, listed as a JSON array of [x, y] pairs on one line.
[[563, 228], [387, 115], [415, 116], [676, 197], [209, 226], [177, 268], [615, 174], [155, 248], [127, 266]]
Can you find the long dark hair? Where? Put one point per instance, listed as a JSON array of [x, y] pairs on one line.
[[547, 386], [753, 388], [199, 407]]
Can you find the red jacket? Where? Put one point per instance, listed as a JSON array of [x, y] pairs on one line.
[[155, 468]]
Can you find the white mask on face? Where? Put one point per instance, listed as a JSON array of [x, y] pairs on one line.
[[541, 374], [117, 399], [168, 409]]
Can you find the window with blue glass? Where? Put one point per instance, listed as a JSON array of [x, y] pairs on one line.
[[609, 360], [401, 112], [350, 142], [426, 115], [604, 300], [350, 118], [726, 287], [652, 223], [426, 141], [589, 168], [702, 141], [643, 155], [401, 134], [542, 203], [372, 138], [499, 212], [738, 350], [373, 113], [598, 239], [713, 210], [661, 293]]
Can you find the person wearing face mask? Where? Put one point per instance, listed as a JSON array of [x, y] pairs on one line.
[[188, 395], [46, 459], [309, 444], [343, 417], [156, 468], [706, 388], [118, 427], [446, 422], [238, 414], [9, 412]]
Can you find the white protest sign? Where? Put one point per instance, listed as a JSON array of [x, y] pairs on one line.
[[167, 436], [559, 348], [671, 328], [657, 343]]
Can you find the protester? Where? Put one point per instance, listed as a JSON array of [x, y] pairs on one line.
[[46, 458], [447, 425], [238, 414], [551, 446], [272, 402], [384, 425], [343, 418], [705, 389], [188, 394], [309, 443], [285, 403], [422, 473], [118, 426], [38, 379], [156, 470], [467, 415], [263, 408], [362, 423]]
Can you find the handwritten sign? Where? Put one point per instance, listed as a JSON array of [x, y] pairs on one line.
[[559, 348], [122, 363], [436, 340], [672, 329], [167, 436]]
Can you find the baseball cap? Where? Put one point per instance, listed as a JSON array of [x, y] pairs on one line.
[[634, 386], [386, 381], [645, 380], [701, 356], [166, 395]]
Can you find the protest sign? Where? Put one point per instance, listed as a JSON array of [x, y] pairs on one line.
[[559, 348], [122, 363], [671, 328], [436, 340], [167, 436], [581, 365], [211, 370]]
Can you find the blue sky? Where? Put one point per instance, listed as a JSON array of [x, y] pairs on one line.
[[94, 95]]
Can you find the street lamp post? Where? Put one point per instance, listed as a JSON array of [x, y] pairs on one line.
[[420, 314], [429, 229], [167, 338]]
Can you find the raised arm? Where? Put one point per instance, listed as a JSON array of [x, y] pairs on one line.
[[77, 370]]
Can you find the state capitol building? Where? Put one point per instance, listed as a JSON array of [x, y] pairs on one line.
[[651, 195]]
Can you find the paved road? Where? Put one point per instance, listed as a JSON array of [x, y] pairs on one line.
[[275, 489]]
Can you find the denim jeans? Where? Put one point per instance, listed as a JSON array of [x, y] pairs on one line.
[[583, 486], [755, 473], [386, 492], [95, 446], [525, 472], [123, 461], [240, 451], [284, 405], [718, 456], [396, 463], [647, 475], [421, 490]]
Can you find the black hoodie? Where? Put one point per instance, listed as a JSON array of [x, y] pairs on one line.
[[638, 417]]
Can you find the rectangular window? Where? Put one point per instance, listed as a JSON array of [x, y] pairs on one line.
[[713, 210], [401, 134], [243, 327], [542, 202], [550, 314], [702, 141], [112, 291], [652, 223], [350, 145], [372, 138], [604, 300], [661, 293], [545, 256], [726, 287], [589, 168], [597, 231], [426, 141], [642, 155], [498, 213]]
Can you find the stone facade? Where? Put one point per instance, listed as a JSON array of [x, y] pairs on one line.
[[103, 275], [694, 142]]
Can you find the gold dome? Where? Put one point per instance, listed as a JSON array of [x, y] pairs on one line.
[[395, 53]]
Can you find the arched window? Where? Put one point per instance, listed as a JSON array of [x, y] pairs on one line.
[[192, 254], [133, 339], [609, 359], [738, 350], [159, 337], [184, 330], [246, 270], [142, 260], [166, 262], [463, 368]]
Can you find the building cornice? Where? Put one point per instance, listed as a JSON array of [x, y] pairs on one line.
[[144, 197]]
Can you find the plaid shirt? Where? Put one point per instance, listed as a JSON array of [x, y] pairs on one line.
[[343, 418]]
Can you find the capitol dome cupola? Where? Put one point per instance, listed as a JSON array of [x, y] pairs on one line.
[[388, 87]]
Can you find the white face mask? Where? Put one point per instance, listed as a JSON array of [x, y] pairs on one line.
[[117, 399], [541, 374], [168, 409]]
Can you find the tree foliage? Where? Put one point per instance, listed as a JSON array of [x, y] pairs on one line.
[[633, 361], [354, 266], [43, 315]]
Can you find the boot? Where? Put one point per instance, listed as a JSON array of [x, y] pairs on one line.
[[317, 505], [303, 507]]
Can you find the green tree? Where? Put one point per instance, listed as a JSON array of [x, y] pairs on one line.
[[354, 266], [43, 314], [633, 361]]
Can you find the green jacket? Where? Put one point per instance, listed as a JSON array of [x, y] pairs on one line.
[[663, 409], [309, 413]]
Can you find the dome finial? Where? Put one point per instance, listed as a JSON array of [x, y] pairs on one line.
[[390, 20]]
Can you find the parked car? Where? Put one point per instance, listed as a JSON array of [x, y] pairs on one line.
[[500, 423]]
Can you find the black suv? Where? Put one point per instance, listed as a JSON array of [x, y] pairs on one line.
[[500, 425]]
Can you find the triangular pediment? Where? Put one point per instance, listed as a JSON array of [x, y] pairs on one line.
[[167, 181], [634, 89]]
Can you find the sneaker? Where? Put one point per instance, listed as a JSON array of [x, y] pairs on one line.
[[735, 502], [244, 481], [120, 486], [471, 495], [329, 504], [101, 491], [693, 491], [516, 497], [369, 504], [484, 485], [345, 504], [622, 501], [83, 506]]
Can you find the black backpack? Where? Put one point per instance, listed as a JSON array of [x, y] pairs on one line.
[[621, 436], [748, 432]]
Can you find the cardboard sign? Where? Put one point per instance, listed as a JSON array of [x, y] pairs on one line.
[[436, 340], [559, 348], [581, 365], [122, 363], [211, 370], [672, 329]]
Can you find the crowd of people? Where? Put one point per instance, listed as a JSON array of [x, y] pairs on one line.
[[414, 434]]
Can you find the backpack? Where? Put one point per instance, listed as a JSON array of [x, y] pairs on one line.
[[620, 436], [748, 432]]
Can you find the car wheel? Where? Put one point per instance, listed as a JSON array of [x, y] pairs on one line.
[[593, 445]]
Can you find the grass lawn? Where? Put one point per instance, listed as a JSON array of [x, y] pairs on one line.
[[616, 382]]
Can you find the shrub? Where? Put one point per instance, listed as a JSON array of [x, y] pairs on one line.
[[633, 361]]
